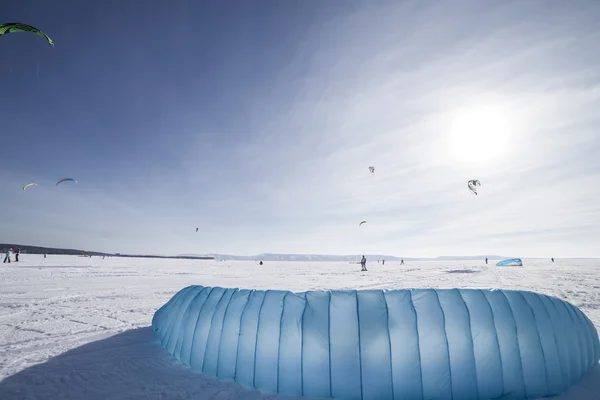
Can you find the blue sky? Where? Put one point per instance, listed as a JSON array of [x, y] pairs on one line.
[[257, 121]]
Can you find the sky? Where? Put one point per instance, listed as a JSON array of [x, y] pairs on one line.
[[256, 122]]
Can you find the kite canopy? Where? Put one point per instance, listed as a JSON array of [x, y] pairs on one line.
[[362, 222], [382, 344], [372, 170], [65, 180], [28, 185], [11, 27], [511, 262], [473, 185]]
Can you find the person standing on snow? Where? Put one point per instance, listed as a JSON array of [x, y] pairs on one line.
[[17, 255], [363, 263], [7, 258]]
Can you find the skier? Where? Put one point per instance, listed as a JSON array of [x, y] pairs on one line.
[[17, 255], [382, 262], [486, 260], [552, 259], [363, 263], [401, 262]]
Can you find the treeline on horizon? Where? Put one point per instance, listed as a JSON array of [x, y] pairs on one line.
[[26, 249]]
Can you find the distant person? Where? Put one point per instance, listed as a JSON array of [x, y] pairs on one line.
[[363, 263], [44, 255], [7, 258], [382, 262], [17, 255], [552, 259], [260, 263], [486, 260], [401, 262]]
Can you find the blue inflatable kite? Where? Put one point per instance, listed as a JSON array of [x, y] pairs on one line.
[[375, 344], [511, 262]]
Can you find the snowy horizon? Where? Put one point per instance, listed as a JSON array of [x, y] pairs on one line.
[[257, 124], [308, 256]]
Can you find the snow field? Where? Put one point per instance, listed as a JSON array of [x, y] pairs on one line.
[[73, 327]]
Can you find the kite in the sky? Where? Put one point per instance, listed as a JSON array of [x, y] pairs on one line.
[[65, 180], [362, 222], [473, 185], [11, 27], [28, 185], [196, 229], [372, 170]]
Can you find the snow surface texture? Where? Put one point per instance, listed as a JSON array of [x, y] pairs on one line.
[[79, 328], [375, 344]]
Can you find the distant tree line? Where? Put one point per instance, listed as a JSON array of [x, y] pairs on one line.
[[72, 252]]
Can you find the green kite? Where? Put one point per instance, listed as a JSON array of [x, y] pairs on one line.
[[11, 27]]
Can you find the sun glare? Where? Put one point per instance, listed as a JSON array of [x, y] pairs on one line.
[[479, 134]]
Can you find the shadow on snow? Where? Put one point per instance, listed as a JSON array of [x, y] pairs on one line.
[[462, 271], [129, 365]]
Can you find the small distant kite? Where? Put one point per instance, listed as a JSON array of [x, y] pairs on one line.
[[196, 229], [372, 170], [66, 180], [473, 185], [362, 222], [29, 185], [11, 27]]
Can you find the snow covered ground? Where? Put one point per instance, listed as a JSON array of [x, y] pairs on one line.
[[78, 328]]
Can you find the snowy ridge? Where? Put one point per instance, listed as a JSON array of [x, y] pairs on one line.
[[379, 345]]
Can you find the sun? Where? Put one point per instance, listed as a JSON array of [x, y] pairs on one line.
[[479, 134]]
